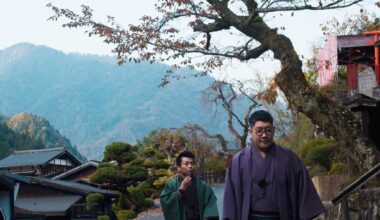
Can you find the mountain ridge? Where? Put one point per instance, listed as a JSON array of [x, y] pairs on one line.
[[93, 101]]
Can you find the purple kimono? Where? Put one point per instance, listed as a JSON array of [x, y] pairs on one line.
[[296, 195]]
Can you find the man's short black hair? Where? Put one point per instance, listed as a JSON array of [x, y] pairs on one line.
[[184, 153], [260, 115]]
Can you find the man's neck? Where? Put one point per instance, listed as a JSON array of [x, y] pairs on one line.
[[264, 151]]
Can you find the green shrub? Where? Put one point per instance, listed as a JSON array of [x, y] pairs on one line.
[[137, 162], [125, 214], [162, 164], [317, 170], [338, 168], [319, 152], [115, 207], [106, 174], [148, 163], [93, 198], [121, 203], [143, 186], [135, 172], [103, 217], [137, 196], [120, 152], [148, 202], [161, 172], [215, 165], [160, 182], [150, 192], [149, 152]]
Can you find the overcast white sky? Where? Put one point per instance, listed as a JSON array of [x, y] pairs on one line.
[[26, 21]]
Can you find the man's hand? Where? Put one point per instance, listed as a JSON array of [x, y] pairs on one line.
[[185, 183]]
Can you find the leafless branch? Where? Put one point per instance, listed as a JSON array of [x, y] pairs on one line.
[[212, 27], [332, 5], [222, 141]]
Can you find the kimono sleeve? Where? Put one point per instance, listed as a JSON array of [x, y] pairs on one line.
[[170, 201], [310, 204], [210, 205], [232, 192]]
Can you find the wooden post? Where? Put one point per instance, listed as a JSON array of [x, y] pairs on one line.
[[344, 209]]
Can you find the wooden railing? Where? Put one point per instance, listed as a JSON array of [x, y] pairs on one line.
[[212, 178], [341, 198]]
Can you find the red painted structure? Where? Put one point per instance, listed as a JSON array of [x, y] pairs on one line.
[[375, 35], [349, 50]]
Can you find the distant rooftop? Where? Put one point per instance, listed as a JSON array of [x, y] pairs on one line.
[[76, 169], [32, 157]]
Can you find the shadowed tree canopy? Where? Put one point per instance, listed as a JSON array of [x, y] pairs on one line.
[[120, 152], [166, 38]]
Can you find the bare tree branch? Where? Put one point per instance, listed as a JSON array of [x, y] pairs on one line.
[[194, 127], [332, 5], [213, 27]]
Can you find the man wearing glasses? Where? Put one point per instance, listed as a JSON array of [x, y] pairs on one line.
[[187, 197], [268, 182]]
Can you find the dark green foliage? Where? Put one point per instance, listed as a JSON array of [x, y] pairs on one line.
[[149, 152], [148, 163], [151, 192], [120, 152], [338, 168], [137, 195], [148, 202], [103, 217], [135, 172], [146, 188], [11, 141], [106, 175], [161, 172], [215, 165], [137, 162], [125, 214], [121, 203], [31, 132], [162, 164], [93, 199], [319, 152]]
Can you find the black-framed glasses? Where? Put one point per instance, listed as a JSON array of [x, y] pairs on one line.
[[266, 130]]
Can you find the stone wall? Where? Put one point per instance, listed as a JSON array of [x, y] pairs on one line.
[[329, 186], [363, 205]]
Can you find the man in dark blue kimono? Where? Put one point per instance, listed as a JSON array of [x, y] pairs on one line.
[[267, 181]]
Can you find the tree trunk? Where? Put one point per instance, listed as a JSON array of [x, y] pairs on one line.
[[337, 120]]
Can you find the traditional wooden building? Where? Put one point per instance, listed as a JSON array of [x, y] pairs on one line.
[[7, 191], [45, 162], [80, 173], [57, 199]]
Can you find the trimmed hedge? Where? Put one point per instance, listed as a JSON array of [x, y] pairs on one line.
[[126, 214]]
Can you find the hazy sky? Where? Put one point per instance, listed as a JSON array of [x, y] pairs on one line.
[[26, 21]]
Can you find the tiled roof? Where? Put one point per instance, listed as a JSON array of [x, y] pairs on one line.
[[64, 185], [15, 177], [30, 157], [6, 182], [75, 170], [73, 187]]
